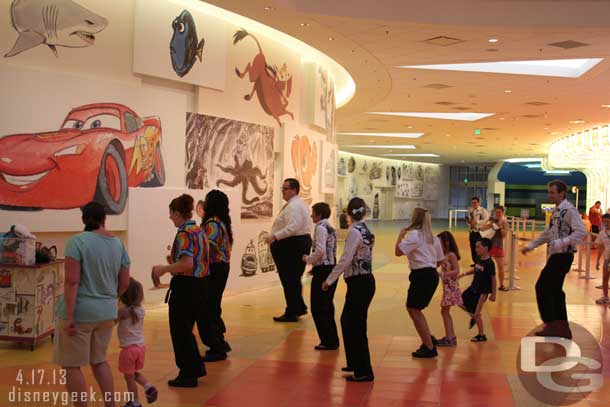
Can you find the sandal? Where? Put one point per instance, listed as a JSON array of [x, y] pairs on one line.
[[447, 342], [479, 338]]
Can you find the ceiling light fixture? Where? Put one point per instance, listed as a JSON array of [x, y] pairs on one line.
[[304, 24], [566, 68], [269, 8], [508, 91], [398, 135], [608, 106], [577, 121], [492, 40], [523, 160], [469, 116], [411, 155], [331, 38], [557, 172], [398, 146]]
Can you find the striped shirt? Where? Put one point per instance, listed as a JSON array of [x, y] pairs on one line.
[[192, 242], [218, 237]]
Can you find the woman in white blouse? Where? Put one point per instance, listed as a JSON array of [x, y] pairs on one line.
[[425, 254], [356, 266]]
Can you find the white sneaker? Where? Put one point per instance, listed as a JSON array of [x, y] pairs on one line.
[[603, 300], [599, 287]]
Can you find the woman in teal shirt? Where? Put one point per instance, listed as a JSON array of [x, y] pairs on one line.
[[96, 274]]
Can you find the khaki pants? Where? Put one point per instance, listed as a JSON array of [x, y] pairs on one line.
[[87, 347]]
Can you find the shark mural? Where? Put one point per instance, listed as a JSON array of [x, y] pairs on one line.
[[54, 23]]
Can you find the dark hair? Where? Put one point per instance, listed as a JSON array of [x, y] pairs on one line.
[[448, 242], [133, 297], [485, 242], [598, 202], [200, 203], [356, 208], [93, 216], [475, 198], [500, 207], [183, 205], [294, 184], [606, 216], [321, 209], [217, 204], [559, 185]]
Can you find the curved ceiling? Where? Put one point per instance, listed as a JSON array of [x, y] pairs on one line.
[[529, 111]]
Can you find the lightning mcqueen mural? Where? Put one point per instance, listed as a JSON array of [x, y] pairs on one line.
[[100, 150]]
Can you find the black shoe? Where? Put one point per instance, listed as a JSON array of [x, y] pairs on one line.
[[151, 394], [424, 352], [472, 323], [227, 347], [347, 369], [202, 371], [434, 340], [325, 347], [304, 312], [479, 338], [365, 378], [214, 356], [181, 381], [286, 318]]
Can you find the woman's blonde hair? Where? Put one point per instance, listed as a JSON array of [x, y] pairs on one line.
[[421, 220]]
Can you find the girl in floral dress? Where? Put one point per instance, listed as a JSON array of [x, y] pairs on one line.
[[452, 295]]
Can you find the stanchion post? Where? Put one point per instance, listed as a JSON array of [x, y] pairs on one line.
[[587, 247], [511, 264], [580, 248], [450, 217]]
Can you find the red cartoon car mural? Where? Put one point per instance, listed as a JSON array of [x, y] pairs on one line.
[[100, 150]]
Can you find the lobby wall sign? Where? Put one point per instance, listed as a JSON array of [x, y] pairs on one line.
[[54, 23], [272, 85], [224, 153], [191, 46]]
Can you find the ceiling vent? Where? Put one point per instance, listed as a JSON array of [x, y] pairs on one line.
[[443, 41], [569, 44], [461, 108], [445, 103], [532, 116]]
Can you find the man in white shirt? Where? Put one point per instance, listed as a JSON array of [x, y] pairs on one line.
[[564, 232], [476, 217], [290, 240]]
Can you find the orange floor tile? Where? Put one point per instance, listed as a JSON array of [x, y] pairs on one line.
[[274, 365]]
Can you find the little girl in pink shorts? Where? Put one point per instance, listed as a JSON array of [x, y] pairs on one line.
[[131, 340]]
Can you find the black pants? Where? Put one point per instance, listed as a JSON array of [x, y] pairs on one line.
[[549, 288], [187, 297], [360, 292], [288, 257], [210, 325], [473, 237], [322, 307]]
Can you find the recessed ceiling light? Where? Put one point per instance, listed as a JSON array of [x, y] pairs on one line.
[[399, 146], [492, 40], [331, 38], [269, 8], [304, 24], [523, 160], [577, 121], [567, 68], [546, 128], [411, 155], [398, 135], [444, 116], [501, 118], [608, 106], [538, 165], [557, 172], [508, 91]]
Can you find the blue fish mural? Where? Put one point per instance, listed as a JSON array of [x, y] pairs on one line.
[[184, 48]]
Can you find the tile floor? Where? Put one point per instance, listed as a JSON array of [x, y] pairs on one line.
[[274, 364]]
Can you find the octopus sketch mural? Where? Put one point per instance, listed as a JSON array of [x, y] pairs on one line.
[[224, 153], [305, 163], [272, 85]]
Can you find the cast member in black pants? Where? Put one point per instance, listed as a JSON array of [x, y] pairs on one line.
[[323, 259], [187, 295], [217, 227], [425, 253], [290, 240], [476, 217], [565, 230], [356, 266]]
